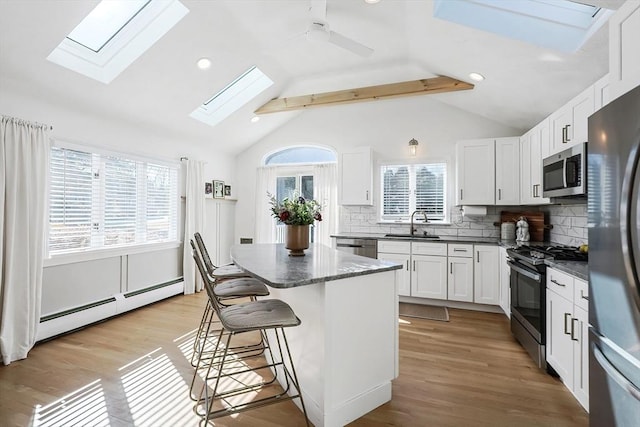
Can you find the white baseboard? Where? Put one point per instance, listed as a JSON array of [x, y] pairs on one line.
[[83, 317]]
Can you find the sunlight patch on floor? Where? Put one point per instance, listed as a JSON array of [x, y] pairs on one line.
[[83, 407]]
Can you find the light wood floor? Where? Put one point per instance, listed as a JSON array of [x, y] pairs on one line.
[[134, 370]]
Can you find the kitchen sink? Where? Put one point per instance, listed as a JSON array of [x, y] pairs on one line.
[[413, 236]]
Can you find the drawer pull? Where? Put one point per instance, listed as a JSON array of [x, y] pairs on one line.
[[583, 296], [557, 283], [459, 250]]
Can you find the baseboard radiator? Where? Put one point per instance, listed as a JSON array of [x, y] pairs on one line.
[[77, 317]]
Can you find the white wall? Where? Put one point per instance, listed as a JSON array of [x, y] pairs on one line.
[[73, 125], [385, 125]]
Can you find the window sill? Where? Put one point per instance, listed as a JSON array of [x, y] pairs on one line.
[[95, 254]]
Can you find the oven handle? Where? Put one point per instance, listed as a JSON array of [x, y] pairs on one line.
[[524, 272]]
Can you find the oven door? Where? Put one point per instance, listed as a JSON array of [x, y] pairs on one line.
[[527, 299]]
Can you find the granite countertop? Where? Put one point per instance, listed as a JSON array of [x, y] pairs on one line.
[[442, 239], [579, 269], [272, 264]]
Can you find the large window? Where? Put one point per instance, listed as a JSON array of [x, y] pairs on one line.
[[407, 188], [99, 201]]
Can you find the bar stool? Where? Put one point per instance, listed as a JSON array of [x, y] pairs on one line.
[[224, 291], [253, 316], [222, 272]]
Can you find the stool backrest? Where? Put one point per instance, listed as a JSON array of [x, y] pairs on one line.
[[208, 284], [204, 253]]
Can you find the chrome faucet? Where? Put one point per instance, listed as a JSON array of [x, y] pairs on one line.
[[426, 220]]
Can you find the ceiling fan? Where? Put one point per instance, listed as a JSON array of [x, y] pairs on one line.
[[319, 30]]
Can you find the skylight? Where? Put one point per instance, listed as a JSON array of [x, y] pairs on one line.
[[557, 24], [104, 22], [114, 34], [232, 97]]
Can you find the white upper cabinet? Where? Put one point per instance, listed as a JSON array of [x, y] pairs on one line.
[[569, 124], [475, 172], [507, 171], [602, 92], [624, 45], [534, 147], [356, 177]]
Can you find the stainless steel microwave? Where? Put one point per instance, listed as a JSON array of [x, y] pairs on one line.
[[564, 173]]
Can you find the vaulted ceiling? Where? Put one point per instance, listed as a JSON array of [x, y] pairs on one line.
[[523, 82]]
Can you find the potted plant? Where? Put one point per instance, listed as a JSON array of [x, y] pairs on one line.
[[297, 214]]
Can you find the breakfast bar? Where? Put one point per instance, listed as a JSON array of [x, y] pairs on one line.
[[345, 351]]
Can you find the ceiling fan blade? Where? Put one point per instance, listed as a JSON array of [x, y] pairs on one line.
[[350, 45], [318, 10]]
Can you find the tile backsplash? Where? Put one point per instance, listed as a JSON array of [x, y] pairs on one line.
[[364, 219], [569, 223]]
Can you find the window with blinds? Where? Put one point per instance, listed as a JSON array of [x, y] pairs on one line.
[[98, 201], [406, 188]]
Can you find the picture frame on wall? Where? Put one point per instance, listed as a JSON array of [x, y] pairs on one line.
[[208, 190], [218, 189], [227, 191]]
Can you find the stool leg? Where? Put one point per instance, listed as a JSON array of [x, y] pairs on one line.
[[293, 370]]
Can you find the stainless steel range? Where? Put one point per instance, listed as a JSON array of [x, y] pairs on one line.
[[528, 294]]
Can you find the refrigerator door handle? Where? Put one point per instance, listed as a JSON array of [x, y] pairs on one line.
[[615, 374]]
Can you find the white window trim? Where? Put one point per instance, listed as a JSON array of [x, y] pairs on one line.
[[417, 161], [88, 254]]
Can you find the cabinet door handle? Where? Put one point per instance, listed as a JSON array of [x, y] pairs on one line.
[[407, 265], [557, 283], [573, 330], [564, 134], [583, 296], [367, 195], [499, 194], [566, 331], [451, 267], [461, 194], [414, 265], [567, 133], [477, 256]]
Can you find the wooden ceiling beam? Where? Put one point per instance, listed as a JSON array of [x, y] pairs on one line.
[[370, 93]]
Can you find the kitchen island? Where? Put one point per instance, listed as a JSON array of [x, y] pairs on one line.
[[346, 349]]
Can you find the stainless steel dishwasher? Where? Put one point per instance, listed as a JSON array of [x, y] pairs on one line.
[[362, 247]]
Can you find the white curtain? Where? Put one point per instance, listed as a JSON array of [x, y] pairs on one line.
[[24, 169], [325, 183], [266, 182], [193, 221]]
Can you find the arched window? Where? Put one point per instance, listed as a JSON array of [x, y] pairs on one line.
[[297, 175], [300, 155]]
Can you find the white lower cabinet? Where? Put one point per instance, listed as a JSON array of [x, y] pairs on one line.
[[567, 332], [486, 275], [460, 273], [453, 271], [404, 285], [429, 276], [460, 279]]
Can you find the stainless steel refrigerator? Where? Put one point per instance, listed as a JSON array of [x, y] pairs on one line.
[[613, 177]]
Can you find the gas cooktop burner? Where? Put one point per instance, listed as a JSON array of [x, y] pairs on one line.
[[556, 253]]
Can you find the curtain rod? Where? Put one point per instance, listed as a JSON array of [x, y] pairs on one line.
[[26, 122]]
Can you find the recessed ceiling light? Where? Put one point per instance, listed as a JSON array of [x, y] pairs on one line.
[[255, 119], [371, 1], [476, 77], [204, 63]]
